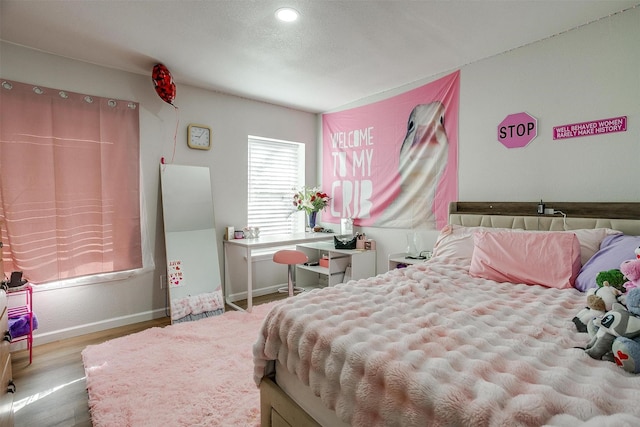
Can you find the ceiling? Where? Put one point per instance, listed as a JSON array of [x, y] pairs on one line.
[[338, 52]]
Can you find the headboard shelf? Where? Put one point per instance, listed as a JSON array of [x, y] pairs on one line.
[[614, 210]]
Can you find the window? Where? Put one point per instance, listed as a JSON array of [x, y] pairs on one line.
[[276, 169], [69, 194]]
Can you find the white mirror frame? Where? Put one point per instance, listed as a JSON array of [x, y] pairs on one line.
[[193, 268]]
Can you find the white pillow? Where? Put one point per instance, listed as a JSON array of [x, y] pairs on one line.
[[590, 240], [456, 241]]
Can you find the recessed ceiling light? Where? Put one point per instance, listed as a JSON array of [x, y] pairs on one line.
[[287, 14]]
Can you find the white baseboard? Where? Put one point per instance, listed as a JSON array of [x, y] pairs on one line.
[[256, 292], [61, 334], [88, 328]]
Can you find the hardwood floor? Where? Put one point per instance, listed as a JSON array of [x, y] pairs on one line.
[[51, 392]]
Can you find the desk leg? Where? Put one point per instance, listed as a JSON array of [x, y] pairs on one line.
[[249, 281], [227, 284]]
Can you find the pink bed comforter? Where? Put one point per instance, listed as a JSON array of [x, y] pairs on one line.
[[430, 346]]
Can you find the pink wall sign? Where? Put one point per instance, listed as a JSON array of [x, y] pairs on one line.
[[595, 127], [517, 130]]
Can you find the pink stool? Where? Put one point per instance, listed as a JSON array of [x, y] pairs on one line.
[[291, 258]]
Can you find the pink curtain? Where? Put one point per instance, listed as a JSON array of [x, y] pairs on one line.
[[69, 188]]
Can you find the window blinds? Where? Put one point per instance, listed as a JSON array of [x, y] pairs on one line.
[[276, 170]]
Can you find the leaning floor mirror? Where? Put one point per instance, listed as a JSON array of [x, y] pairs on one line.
[[193, 268]]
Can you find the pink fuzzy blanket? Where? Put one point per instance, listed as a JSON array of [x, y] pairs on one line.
[[430, 346]]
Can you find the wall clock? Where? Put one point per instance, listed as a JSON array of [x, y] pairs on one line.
[[199, 137]]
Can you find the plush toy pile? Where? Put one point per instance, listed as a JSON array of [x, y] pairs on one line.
[[612, 317]]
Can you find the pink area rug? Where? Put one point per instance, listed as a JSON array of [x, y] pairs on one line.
[[188, 374]]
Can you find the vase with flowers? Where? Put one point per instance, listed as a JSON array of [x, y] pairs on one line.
[[311, 201]]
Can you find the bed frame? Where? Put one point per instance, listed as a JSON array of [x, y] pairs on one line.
[[614, 210], [279, 410], [572, 215]]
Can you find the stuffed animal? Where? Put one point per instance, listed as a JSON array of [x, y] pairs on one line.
[[631, 270], [599, 301], [584, 317], [620, 321], [626, 351], [614, 277], [602, 298]]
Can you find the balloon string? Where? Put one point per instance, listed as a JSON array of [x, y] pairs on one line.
[[175, 134]]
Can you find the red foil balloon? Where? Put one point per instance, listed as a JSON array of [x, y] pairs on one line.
[[163, 82]]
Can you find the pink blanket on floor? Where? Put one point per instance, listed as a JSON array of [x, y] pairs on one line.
[[196, 304], [430, 345]]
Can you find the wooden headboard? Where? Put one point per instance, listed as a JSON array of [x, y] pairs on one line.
[[622, 216]]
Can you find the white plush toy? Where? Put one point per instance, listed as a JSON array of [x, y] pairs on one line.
[[602, 298], [599, 301], [584, 316]]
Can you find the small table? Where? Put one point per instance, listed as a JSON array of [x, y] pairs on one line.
[[400, 259], [263, 242]]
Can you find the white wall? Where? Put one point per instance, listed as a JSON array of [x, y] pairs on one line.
[[585, 74], [590, 73], [73, 311]]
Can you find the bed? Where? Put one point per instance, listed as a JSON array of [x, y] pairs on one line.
[[468, 338]]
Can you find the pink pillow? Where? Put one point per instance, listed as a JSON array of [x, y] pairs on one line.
[[549, 259]]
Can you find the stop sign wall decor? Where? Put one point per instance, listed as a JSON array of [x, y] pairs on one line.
[[517, 130]]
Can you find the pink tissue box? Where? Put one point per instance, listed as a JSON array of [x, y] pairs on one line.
[[324, 262]]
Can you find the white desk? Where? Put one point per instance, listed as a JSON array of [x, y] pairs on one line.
[[261, 243]]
